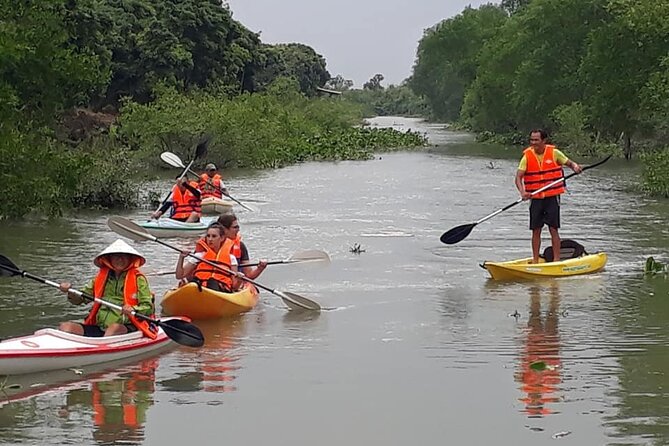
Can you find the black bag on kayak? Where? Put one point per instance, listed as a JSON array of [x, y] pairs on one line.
[[569, 249]]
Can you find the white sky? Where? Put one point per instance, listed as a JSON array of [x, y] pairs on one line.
[[357, 38]]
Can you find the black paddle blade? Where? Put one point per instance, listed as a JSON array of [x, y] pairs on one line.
[[202, 147], [456, 234], [7, 267], [182, 332]]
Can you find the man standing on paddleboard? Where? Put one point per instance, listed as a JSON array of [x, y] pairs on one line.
[[540, 166]]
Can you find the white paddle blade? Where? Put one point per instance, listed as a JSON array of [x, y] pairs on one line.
[[172, 159], [297, 302], [126, 228], [311, 255]]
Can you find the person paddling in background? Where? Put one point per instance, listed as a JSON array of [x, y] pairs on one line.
[[217, 249], [230, 226], [211, 183], [186, 202], [120, 282], [540, 165]]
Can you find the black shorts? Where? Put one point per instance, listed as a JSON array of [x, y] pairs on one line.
[[545, 211], [94, 331]]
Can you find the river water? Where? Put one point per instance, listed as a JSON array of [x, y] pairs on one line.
[[417, 346]]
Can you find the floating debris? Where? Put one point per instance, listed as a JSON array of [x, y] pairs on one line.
[[654, 267], [538, 366], [77, 371], [514, 314], [356, 248], [561, 434]]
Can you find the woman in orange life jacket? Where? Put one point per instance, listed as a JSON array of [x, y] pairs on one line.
[[120, 282], [230, 226], [216, 249], [540, 165], [211, 183], [186, 202]]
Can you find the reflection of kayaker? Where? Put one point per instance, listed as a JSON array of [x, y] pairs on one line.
[[119, 405], [539, 374]]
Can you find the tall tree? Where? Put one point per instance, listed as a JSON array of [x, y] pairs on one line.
[[374, 83], [293, 60], [447, 58]]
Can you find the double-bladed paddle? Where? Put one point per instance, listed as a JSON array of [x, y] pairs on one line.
[[178, 330], [174, 161], [461, 232], [200, 151], [309, 256], [127, 228]]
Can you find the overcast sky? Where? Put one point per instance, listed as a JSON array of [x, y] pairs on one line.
[[358, 38]]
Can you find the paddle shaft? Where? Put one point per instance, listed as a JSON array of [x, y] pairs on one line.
[[538, 191], [241, 265], [183, 174], [94, 299]]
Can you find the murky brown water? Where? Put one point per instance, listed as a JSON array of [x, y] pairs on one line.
[[421, 348]]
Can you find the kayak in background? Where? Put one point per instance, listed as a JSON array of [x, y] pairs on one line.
[[203, 303], [216, 206], [167, 227]]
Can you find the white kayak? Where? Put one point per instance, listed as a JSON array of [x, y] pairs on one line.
[[50, 349], [166, 227], [216, 206]]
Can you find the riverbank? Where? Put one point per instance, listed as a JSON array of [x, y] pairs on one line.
[[107, 168]]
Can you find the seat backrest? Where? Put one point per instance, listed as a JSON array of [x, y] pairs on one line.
[[569, 249]]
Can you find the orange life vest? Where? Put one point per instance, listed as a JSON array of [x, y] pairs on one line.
[[129, 298], [129, 397], [204, 272], [538, 175], [183, 204], [236, 250], [210, 186]]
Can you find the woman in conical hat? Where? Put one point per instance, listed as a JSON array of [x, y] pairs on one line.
[[120, 282]]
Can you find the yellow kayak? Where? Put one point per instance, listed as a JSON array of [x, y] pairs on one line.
[[189, 301], [522, 269]]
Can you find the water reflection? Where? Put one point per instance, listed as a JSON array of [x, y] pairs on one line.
[[539, 368], [213, 367], [109, 405], [119, 405]]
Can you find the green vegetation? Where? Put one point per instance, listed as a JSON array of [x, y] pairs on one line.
[[653, 267], [163, 72], [593, 72], [271, 129]]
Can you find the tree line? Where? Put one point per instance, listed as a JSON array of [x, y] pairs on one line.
[[594, 72], [75, 75]]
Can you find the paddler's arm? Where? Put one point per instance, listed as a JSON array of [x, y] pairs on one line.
[[184, 269], [573, 166], [144, 297], [156, 215], [195, 191], [562, 159], [76, 299]]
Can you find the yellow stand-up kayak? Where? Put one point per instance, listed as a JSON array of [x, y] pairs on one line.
[[522, 269], [189, 301]]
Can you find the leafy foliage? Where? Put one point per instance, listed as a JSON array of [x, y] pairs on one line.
[[448, 56], [296, 61], [391, 101], [270, 129]]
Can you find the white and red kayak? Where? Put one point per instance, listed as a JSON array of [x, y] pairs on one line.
[[50, 349]]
